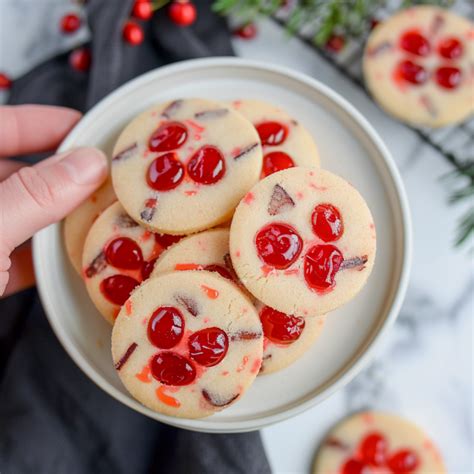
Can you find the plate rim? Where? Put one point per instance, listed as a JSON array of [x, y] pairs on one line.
[[347, 373]]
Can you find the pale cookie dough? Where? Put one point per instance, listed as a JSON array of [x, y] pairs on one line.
[[187, 344], [419, 65], [118, 255], [285, 142], [286, 338], [78, 223], [302, 241], [183, 166], [380, 443]]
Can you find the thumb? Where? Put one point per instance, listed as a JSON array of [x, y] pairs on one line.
[[37, 196]]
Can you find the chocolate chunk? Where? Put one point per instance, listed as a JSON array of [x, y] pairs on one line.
[[125, 154], [149, 211], [382, 47], [96, 266], [125, 221], [245, 151], [354, 263], [211, 114], [280, 201], [126, 356], [172, 108], [217, 400], [245, 336], [189, 303]]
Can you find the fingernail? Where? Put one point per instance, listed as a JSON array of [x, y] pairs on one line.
[[85, 165]]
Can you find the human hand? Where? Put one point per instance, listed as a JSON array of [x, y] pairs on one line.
[[32, 197]]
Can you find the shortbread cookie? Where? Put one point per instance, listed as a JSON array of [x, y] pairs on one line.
[[187, 344], [302, 241], [419, 66], [377, 442], [118, 255], [78, 223], [285, 142], [183, 166], [286, 337]]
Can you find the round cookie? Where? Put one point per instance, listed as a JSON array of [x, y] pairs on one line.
[[286, 338], [78, 223], [285, 142], [183, 166], [118, 255], [418, 66], [302, 241], [377, 442], [187, 344]]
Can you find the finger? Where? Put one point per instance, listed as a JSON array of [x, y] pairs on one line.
[[21, 274], [34, 128], [37, 196], [8, 167]]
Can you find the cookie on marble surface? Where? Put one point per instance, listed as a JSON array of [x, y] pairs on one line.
[[118, 255], [303, 241], [183, 166], [78, 223], [285, 141], [187, 344], [419, 66], [286, 337], [377, 442]]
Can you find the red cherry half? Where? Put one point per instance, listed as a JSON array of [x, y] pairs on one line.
[[124, 253], [208, 346], [272, 133], [165, 172], [327, 222], [450, 48], [321, 264], [403, 461], [373, 449], [117, 288], [276, 161], [207, 165], [448, 77], [414, 42], [412, 72], [166, 240], [278, 245], [147, 268], [280, 327], [167, 137], [170, 368], [354, 466], [166, 327]]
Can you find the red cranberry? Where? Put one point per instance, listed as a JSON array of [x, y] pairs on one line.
[[404, 461], [272, 133], [278, 245], [133, 33], [247, 31], [280, 327], [373, 449], [166, 327], [335, 43], [5, 81], [321, 264], [412, 72], [448, 77], [208, 346], [80, 59], [327, 222], [182, 12], [165, 172], [207, 165], [223, 272], [143, 10], [117, 288], [415, 43], [70, 23], [166, 240], [276, 161], [170, 368], [147, 268], [124, 253], [354, 466], [450, 48], [169, 136]]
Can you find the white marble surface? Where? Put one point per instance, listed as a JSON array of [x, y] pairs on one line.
[[424, 369]]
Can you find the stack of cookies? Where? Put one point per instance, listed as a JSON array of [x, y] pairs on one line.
[[216, 250]]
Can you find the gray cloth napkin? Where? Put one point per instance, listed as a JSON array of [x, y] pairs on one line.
[[53, 419]]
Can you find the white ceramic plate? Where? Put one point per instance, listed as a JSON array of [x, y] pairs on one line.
[[348, 145]]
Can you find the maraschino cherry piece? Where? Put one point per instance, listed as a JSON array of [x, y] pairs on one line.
[[221, 270], [412, 72], [166, 327], [168, 136], [327, 222], [166, 240], [450, 48], [280, 327], [414, 42], [373, 449], [117, 288], [124, 253], [278, 245], [208, 346], [276, 161], [170, 368], [272, 133], [207, 165], [354, 466], [448, 77], [321, 264], [404, 461], [147, 268], [165, 172]]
